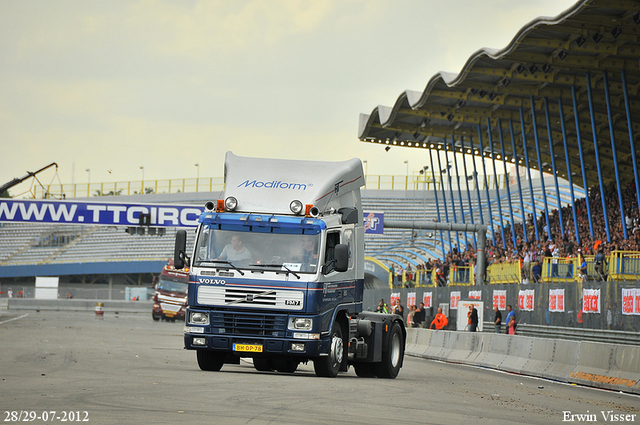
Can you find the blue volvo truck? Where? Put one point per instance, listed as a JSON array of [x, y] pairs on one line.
[[276, 273]]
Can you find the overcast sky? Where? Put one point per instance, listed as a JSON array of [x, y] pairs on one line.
[[164, 84]]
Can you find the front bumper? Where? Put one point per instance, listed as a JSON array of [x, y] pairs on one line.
[[279, 346]]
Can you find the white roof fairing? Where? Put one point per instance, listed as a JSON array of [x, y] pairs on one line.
[[264, 185]]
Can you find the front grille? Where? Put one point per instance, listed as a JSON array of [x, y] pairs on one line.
[[283, 299], [248, 324]]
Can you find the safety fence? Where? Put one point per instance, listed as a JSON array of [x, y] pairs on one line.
[[210, 184], [606, 305], [618, 266]]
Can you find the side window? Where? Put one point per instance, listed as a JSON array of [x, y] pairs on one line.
[[333, 239], [348, 239]]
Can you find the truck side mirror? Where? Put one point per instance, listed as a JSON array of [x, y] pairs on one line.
[[342, 257], [179, 257]]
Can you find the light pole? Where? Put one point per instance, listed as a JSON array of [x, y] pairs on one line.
[[142, 189], [197, 175], [88, 170], [406, 186]]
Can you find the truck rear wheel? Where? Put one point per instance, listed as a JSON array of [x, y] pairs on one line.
[[328, 366], [392, 357], [210, 361], [364, 370]]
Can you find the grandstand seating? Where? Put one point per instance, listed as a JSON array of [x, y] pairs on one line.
[[22, 243]]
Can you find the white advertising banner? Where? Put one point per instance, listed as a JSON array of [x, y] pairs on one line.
[[556, 300], [631, 301], [526, 298], [46, 288], [454, 298], [591, 300], [475, 295], [500, 299], [427, 299], [411, 299]]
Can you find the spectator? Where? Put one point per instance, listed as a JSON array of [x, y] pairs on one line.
[[440, 321], [600, 262], [382, 307], [473, 318], [398, 309], [410, 316], [536, 271], [511, 321], [419, 316], [497, 319]]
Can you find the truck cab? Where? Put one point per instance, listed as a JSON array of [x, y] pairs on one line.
[[277, 273], [170, 297]]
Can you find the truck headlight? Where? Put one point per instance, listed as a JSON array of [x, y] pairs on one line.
[[230, 203], [199, 318], [296, 207], [300, 324]]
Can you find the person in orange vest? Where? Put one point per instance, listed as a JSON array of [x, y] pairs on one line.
[[440, 321], [579, 317]]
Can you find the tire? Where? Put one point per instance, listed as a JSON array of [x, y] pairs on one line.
[[364, 370], [285, 365], [211, 361], [155, 318], [392, 357], [262, 364], [328, 366]]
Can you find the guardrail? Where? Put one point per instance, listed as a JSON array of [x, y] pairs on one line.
[[611, 366], [209, 184], [577, 334]]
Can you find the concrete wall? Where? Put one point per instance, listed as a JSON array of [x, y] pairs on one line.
[[110, 306], [611, 366]]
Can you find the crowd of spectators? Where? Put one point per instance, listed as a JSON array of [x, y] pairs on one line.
[[549, 241]]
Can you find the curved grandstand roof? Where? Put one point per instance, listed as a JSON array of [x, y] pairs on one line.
[[548, 63]]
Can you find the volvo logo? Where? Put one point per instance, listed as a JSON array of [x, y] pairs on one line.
[[249, 298]]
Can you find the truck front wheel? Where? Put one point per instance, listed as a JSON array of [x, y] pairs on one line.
[[210, 361], [392, 357], [328, 366]]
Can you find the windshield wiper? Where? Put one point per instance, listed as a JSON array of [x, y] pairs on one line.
[[280, 265], [225, 262]]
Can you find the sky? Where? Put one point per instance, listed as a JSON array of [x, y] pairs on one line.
[[113, 86]]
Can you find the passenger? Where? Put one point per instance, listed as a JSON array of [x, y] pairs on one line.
[[235, 251], [497, 319], [440, 321]]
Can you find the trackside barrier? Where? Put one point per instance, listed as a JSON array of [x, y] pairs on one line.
[[110, 306], [610, 366]]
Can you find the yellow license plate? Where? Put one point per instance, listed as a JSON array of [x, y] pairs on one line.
[[248, 347]]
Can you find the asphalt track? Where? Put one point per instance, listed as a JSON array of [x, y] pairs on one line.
[[127, 369]]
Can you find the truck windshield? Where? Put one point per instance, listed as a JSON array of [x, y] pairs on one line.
[[256, 250], [172, 286]]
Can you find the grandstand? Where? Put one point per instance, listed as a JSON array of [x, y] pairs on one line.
[[28, 249]]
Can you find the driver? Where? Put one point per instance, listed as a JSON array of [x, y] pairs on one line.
[[235, 251], [308, 254]]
